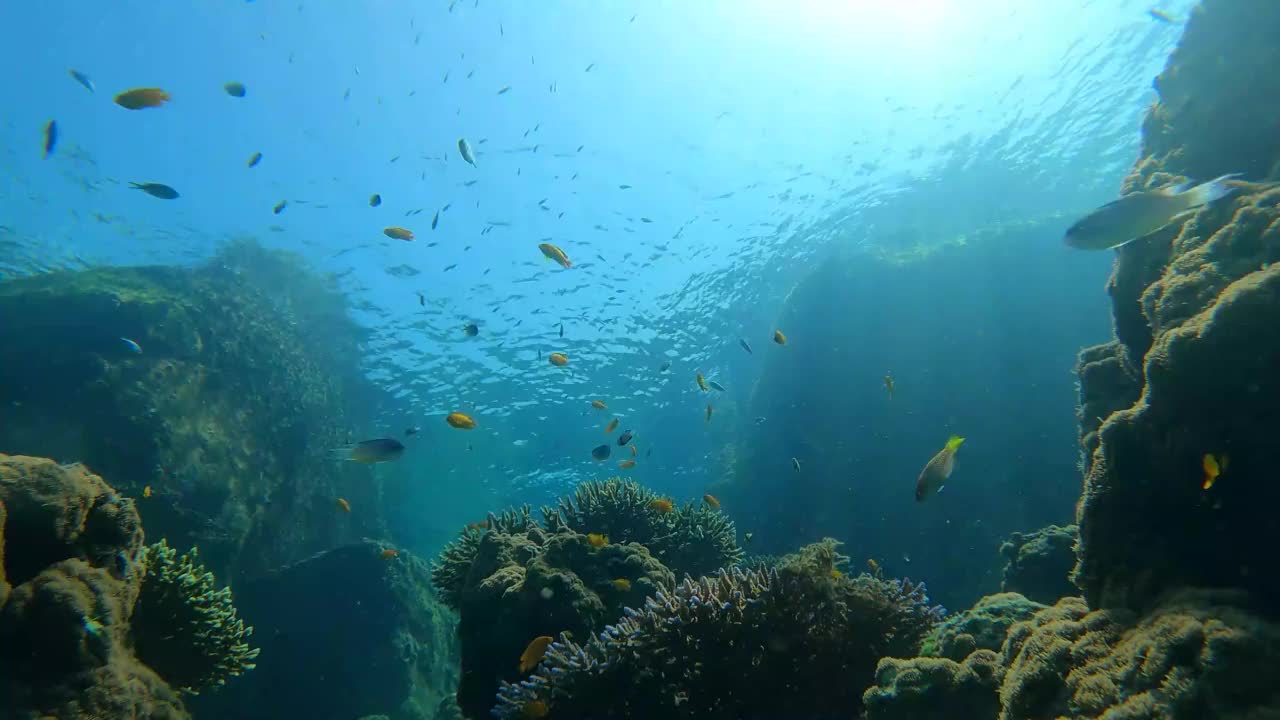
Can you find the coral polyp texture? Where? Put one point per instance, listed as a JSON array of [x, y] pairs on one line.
[[796, 640], [185, 625], [72, 556], [1192, 372]]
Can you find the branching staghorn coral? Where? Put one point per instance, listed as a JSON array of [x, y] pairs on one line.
[[691, 540], [796, 640], [184, 626]]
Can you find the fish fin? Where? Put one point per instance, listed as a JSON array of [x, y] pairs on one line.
[[1208, 192]]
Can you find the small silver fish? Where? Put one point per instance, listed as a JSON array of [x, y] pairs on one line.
[[1139, 214], [134, 347], [745, 346], [82, 79], [795, 463], [464, 148]]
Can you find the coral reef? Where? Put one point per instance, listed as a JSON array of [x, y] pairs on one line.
[[1196, 654], [247, 374], [515, 579], [73, 555], [691, 540], [1197, 322], [185, 625], [935, 688], [344, 634], [1038, 564], [981, 627], [798, 640]]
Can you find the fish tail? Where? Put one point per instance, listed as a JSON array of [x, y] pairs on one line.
[[954, 442], [1208, 192]]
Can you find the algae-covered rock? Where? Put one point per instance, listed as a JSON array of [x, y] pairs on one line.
[[1038, 564], [72, 552], [1192, 372], [247, 367]]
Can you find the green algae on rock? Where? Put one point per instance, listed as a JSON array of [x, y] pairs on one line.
[[981, 627], [247, 375], [185, 626], [72, 550]]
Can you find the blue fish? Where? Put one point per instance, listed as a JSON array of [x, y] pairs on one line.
[[82, 79], [134, 347]]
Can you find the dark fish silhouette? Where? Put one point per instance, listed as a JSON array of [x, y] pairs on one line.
[[164, 192], [50, 138]]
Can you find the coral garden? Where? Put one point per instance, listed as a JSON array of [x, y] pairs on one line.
[[240, 377]]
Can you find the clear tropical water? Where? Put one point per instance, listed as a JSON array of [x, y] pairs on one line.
[[696, 161]]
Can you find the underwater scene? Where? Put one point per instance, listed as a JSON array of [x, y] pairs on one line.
[[728, 360]]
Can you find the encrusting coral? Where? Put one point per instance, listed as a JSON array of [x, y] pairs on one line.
[[797, 640], [185, 626], [981, 627], [72, 554], [935, 688], [1038, 564]]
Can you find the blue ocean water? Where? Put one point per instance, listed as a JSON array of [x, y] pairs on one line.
[[698, 162]]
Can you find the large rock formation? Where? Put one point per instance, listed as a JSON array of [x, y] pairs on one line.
[[1195, 367], [246, 370]]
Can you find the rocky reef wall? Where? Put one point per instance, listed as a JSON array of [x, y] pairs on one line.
[[1194, 369], [211, 394]]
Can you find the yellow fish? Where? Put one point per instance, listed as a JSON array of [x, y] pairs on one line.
[[532, 654], [554, 253], [142, 98], [1212, 469], [779, 338], [596, 540], [935, 474], [558, 359], [398, 233], [599, 405], [146, 491], [462, 421], [702, 383], [622, 584]]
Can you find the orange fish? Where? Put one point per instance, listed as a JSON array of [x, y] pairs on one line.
[[709, 411], [596, 540], [558, 359], [554, 253], [702, 382], [613, 425], [462, 421], [1212, 469], [622, 584], [627, 464], [534, 710], [482, 525], [662, 505], [142, 98], [146, 491], [599, 405], [389, 554], [532, 654], [398, 233], [779, 338], [343, 505], [712, 501]]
